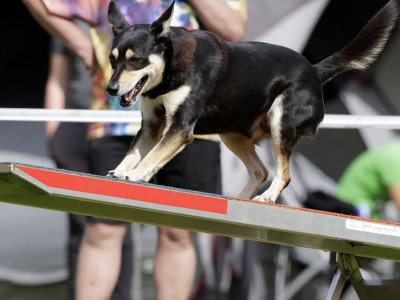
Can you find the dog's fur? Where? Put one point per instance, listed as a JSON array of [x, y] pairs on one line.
[[196, 83]]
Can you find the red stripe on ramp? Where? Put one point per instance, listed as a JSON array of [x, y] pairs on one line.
[[130, 191]]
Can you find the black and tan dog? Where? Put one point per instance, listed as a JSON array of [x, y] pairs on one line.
[[192, 82]]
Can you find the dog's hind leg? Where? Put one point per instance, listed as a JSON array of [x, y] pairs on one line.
[[243, 148], [283, 141]]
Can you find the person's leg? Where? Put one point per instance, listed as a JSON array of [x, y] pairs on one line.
[[175, 264], [197, 167], [105, 243], [99, 260], [70, 150]]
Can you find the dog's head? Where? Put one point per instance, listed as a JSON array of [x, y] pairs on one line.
[[136, 55]]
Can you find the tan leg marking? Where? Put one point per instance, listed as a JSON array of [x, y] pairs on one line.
[[151, 135], [243, 148], [143, 146], [163, 152], [282, 175], [166, 145]]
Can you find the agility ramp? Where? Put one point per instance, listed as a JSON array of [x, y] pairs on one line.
[[151, 204]]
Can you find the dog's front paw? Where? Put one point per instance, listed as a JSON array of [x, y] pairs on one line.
[[111, 174], [265, 198], [271, 194], [116, 174], [132, 177], [136, 176]]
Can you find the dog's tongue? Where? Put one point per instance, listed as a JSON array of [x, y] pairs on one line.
[[128, 96]]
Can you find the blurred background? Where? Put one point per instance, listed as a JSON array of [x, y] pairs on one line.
[[33, 241]]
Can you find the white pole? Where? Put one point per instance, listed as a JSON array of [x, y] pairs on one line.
[[69, 115], [121, 116]]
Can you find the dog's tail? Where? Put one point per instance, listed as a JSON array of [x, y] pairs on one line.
[[364, 48]]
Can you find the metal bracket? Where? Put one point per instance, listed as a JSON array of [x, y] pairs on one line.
[[347, 268]]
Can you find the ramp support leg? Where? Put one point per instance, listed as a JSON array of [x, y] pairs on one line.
[[346, 269], [336, 287]]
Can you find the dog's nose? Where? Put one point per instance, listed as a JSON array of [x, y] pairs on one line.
[[112, 89]]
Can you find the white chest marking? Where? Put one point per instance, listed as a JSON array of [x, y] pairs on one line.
[[174, 99], [171, 101]]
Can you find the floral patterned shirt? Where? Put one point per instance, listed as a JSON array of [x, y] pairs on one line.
[[135, 12]]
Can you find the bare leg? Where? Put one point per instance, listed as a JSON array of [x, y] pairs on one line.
[[243, 148], [99, 260], [175, 264]]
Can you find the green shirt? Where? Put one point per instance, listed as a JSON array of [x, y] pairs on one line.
[[367, 178]]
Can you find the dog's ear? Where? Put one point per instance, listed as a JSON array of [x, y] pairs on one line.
[[115, 18], [160, 27]]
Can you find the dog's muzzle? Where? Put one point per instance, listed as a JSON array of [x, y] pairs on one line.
[[131, 97]]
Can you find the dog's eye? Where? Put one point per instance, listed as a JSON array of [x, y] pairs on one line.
[[135, 60]]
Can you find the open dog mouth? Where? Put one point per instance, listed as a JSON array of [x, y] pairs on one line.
[[131, 97]]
